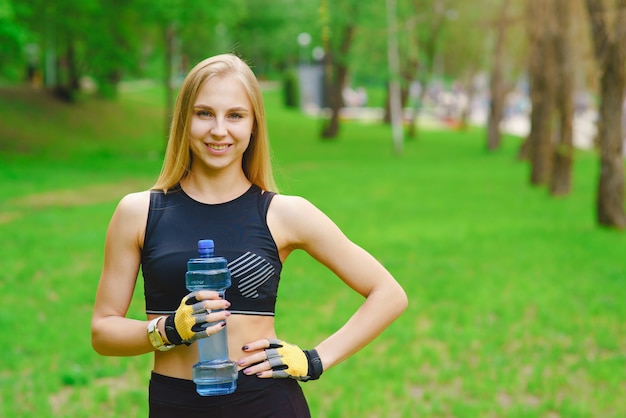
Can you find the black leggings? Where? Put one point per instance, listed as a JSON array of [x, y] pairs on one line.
[[259, 398]]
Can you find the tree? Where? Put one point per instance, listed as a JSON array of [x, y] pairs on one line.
[[79, 38], [114, 43], [464, 51], [431, 18], [608, 30], [63, 26], [269, 38], [498, 87], [542, 88], [563, 156], [484, 37], [338, 27], [395, 102], [13, 37]]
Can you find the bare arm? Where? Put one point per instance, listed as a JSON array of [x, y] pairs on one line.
[[112, 333], [297, 224]]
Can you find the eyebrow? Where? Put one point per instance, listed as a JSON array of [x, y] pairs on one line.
[[232, 109]]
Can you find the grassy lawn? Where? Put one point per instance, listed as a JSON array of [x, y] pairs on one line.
[[516, 298]]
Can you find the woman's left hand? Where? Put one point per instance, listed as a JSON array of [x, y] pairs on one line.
[[273, 358]]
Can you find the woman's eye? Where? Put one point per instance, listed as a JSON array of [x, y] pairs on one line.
[[203, 113], [236, 115]]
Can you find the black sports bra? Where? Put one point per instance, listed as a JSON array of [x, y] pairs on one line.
[[239, 230]]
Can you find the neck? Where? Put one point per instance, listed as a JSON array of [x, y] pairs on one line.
[[215, 189]]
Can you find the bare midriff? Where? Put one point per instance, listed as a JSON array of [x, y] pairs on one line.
[[241, 330]]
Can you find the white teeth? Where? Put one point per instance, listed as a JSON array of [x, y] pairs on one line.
[[217, 147]]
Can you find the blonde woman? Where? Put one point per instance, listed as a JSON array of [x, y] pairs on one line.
[[217, 183]]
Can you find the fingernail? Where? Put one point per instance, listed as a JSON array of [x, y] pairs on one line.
[[227, 313], [223, 324], [227, 304], [244, 348], [241, 362]]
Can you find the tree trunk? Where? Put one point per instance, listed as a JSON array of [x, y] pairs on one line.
[[610, 195], [497, 87], [404, 96], [542, 93], [330, 129], [561, 179], [72, 69], [68, 82], [524, 150], [471, 93], [338, 74], [429, 49], [335, 101], [417, 108], [611, 56], [496, 112]]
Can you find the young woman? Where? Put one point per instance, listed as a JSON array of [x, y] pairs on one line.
[[216, 183]]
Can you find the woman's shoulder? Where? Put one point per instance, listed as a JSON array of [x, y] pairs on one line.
[[134, 204], [129, 219], [290, 204], [301, 224], [136, 198], [295, 210]]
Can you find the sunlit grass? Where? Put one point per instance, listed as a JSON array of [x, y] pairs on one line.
[[516, 298]]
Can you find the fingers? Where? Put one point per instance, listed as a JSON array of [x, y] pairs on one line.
[[274, 343], [206, 301], [254, 358], [258, 362], [213, 329], [209, 316], [271, 367], [220, 316], [261, 369], [207, 294], [257, 345], [198, 309]]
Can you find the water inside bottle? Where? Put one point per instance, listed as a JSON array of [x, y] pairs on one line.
[[215, 377]]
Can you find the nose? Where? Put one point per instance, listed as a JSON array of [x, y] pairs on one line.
[[218, 128]]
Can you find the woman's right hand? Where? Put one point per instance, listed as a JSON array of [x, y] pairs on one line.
[[196, 310]]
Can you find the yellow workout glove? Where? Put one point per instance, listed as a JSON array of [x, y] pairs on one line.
[[186, 325], [288, 360]]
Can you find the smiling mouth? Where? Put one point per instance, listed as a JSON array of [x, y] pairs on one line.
[[217, 147]]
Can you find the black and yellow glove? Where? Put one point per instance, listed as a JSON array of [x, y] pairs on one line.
[[188, 323], [288, 360]]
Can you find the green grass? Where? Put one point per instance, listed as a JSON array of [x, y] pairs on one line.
[[516, 298]]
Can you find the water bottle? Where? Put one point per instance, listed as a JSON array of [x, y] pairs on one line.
[[215, 373]]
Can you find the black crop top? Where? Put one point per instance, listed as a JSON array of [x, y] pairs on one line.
[[239, 230]]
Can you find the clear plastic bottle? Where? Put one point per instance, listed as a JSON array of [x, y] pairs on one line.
[[215, 373]]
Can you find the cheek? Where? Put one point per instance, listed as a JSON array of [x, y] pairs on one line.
[[249, 131], [197, 129], [241, 133], [246, 138]]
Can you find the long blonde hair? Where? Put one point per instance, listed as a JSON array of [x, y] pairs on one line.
[[256, 163]]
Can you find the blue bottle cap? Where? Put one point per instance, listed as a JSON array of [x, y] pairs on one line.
[[206, 245]]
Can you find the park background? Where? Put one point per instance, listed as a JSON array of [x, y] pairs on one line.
[[515, 285]]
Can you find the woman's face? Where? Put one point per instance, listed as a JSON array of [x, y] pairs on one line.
[[222, 120]]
